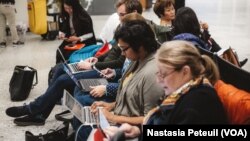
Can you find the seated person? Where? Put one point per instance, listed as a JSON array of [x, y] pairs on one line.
[[187, 27], [164, 9], [190, 98], [37, 111], [134, 96], [123, 7], [75, 24]]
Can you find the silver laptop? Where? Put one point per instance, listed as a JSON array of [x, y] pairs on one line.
[[83, 114], [73, 105], [74, 69], [72, 66], [84, 84]]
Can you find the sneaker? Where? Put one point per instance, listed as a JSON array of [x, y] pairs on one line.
[[2, 45], [16, 44], [29, 120], [17, 111]]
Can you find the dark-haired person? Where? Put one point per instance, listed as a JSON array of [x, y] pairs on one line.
[[164, 9], [75, 27], [137, 92], [187, 27]]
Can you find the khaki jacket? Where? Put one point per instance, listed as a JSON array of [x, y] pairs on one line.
[[142, 92]]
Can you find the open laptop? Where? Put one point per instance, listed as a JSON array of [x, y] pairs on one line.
[[84, 114], [84, 84], [72, 66]]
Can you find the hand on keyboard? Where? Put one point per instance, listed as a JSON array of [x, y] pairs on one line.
[[84, 65], [105, 105]]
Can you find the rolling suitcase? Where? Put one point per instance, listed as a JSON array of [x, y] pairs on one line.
[[37, 16]]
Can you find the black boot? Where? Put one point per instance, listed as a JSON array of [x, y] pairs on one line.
[[29, 120], [17, 111], [243, 62]]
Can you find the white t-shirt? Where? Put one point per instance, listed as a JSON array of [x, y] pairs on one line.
[[107, 33]]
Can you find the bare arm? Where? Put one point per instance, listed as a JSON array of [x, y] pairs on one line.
[[122, 119]]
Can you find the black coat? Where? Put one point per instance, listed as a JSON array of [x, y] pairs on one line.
[[111, 59], [200, 105], [82, 24]]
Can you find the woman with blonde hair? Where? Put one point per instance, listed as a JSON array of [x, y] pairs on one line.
[[187, 78]]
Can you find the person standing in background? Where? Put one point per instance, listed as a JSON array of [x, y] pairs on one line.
[[7, 14]]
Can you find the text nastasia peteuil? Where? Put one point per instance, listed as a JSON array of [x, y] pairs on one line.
[[152, 132]]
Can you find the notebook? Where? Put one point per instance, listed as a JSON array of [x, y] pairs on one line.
[[84, 84], [84, 114]]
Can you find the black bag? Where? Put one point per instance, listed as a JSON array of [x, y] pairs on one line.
[[22, 82], [52, 72], [50, 75], [59, 134]]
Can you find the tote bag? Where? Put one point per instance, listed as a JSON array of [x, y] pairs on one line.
[[59, 134], [22, 82]]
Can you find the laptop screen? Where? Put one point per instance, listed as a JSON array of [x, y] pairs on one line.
[[60, 52], [66, 69]]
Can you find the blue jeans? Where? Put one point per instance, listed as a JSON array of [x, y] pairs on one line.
[[86, 100], [44, 104]]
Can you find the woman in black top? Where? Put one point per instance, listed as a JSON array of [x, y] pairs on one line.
[[75, 27]]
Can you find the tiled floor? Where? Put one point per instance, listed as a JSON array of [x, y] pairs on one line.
[[228, 22]]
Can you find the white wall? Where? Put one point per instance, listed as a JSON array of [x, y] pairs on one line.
[[22, 12]]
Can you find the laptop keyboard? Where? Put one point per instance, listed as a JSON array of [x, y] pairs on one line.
[[86, 83], [73, 67]]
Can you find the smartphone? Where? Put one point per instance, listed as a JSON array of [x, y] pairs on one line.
[[98, 71]]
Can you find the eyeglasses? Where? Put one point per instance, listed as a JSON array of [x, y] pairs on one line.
[[123, 48], [163, 76]]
